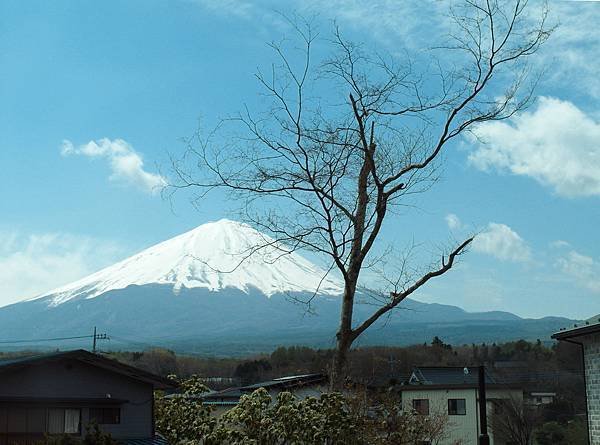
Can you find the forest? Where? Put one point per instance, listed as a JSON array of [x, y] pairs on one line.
[[537, 366]]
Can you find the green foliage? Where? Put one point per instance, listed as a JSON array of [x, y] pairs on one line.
[[331, 419], [182, 417], [551, 433], [95, 436], [555, 433]]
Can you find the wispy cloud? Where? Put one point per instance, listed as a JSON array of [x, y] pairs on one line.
[[239, 8], [582, 270], [35, 263], [398, 24], [570, 56], [557, 144], [126, 164], [453, 221], [502, 242]]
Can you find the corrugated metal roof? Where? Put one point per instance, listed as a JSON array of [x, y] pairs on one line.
[[234, 394]]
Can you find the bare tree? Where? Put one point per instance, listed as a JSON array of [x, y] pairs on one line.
[[330, 172], [513, 422]]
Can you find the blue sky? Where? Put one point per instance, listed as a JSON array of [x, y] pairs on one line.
[[96, 95]]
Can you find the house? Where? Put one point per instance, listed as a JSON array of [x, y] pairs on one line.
[[537, 382], [302, 386], [587, 336], [453, 392], [62, 392]]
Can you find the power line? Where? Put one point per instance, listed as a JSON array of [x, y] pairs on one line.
[[45, 339], [95, 336]]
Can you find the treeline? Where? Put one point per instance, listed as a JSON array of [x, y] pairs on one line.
[[555, 368]]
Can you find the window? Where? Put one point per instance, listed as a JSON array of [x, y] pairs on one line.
[[64, 420], [105, 416], [421, 406], [37, 421], [457, 407]]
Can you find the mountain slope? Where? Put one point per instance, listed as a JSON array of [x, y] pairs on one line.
[[194, 293], [214, 256]]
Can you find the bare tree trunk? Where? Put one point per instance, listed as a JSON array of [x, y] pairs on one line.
[[344, 340]]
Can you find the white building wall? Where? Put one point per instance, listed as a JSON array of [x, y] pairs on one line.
[[463, 429]]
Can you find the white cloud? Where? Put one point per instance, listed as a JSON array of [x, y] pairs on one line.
[[33, 264], [557, 144], [560, 244], [453, 222], [125, 163], [502, 242], [398, 24], [239, 8], [581, 269]]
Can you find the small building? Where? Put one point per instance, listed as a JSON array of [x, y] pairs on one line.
[[539, 398], [587, 336], [453, 392], [302, 386], [63, 392]]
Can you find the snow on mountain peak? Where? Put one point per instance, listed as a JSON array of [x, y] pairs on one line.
[[215, 255]]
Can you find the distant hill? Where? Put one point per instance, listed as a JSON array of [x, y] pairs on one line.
[[193, 294]]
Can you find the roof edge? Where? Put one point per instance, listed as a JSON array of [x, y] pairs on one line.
[[576, 332]]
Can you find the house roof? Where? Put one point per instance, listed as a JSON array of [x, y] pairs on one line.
[[232, 395], [96, 360], [450, 377], [447, 375], [63, 401], [589, 326], [287, 382]]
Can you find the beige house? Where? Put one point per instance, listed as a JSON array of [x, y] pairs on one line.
[[453, 392]]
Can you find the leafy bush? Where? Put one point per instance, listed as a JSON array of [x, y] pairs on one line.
[[331, 419]]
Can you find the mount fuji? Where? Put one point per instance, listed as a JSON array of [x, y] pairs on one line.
[[215, 256], [224, 288]]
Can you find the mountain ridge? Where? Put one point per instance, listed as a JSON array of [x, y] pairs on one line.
[[169, 295]]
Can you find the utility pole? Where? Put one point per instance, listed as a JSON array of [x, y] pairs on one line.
[[484, 439], [96, 337]]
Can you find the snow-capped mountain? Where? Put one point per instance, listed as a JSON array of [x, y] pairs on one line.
[[211, 291], [215, 256]]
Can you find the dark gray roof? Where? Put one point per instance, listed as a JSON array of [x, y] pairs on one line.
[[92, 359], [446, 375], [229, 395], [287, 382]]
